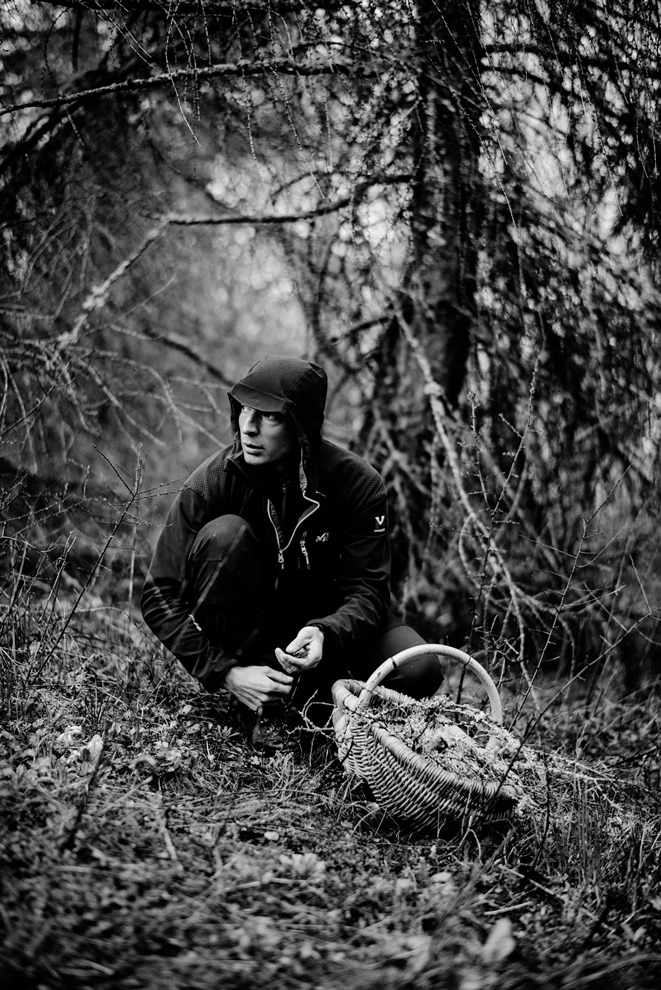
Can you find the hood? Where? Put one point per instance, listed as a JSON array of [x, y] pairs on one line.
[[287, 385]]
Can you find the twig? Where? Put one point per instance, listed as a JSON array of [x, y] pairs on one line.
[[162, 824], [88, 581], [493, 558], [69, 839]]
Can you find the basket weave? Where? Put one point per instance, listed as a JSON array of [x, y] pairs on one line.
[[414, 787]]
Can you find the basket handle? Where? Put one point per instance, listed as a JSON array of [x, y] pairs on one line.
[[401, 659]]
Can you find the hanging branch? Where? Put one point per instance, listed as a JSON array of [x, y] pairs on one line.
[[217, 8], [99, 294], [242, 68]]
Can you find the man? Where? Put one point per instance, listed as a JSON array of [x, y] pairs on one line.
[[271, 578]]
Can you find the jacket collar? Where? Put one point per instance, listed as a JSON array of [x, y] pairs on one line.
[[264, 480]]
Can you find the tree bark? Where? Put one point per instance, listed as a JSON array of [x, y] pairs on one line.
[[437, 300], [436, 303]]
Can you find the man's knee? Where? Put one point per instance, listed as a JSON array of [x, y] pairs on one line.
[[221, 536], [224, 562], [420, 677]]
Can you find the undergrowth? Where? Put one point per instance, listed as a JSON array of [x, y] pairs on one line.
[[144, 846]]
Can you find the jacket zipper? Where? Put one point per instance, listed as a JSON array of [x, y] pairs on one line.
[[306, 515], [312, 508]]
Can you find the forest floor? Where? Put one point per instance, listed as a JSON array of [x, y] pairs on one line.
[[143, 845]]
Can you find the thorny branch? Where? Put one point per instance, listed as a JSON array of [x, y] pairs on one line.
[[493, 558]]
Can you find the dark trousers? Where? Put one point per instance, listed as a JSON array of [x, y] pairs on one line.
[[234, 607]]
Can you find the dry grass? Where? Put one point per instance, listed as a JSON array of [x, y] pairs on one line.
[[143, 846]]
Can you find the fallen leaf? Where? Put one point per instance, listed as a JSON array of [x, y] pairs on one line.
[[70, 736], [500, 942], [92, 750]]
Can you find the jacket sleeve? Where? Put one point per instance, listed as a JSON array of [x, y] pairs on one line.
[[167, 605], [363, 576]]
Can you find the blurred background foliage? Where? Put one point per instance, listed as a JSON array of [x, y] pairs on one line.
[[453, 206]]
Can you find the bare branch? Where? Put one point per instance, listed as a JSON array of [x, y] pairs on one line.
[[183, 345], [359, 190], [607, 63], [98, 294], [199, 8], [243, 68]]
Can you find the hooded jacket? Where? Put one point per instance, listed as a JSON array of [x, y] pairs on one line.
[[322, 532]]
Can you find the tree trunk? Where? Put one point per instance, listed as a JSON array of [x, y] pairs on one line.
[[436, 304]]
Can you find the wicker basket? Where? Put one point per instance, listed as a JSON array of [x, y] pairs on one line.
[[415, 787]]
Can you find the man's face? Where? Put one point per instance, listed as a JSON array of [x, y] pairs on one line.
[[266, 438]]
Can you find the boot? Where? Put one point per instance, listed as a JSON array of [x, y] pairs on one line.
[[269, 732]]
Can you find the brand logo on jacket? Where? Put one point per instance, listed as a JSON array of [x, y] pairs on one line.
[[322, 538], [379, 522]]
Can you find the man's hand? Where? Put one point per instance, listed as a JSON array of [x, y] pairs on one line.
[[256, 686], [304, 652]]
